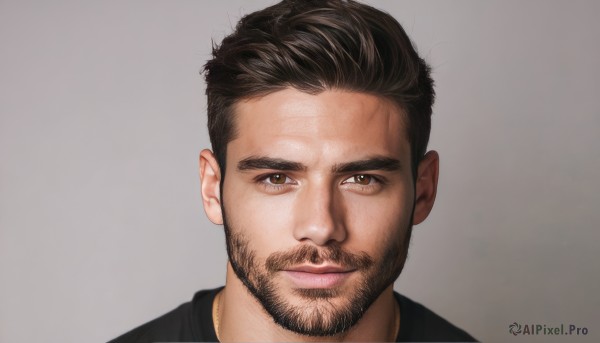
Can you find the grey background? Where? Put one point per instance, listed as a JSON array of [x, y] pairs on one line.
[[103, 117]]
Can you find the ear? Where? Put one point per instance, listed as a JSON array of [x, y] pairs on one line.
[[426, 186], [210, 181]]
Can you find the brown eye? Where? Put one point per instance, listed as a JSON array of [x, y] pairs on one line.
[[277, 179], [362, 179]]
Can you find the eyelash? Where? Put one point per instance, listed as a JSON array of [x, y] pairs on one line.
[[373, 178], [372, 187], [263, 180]]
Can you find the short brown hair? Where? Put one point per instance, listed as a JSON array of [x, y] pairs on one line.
[[313, 46]]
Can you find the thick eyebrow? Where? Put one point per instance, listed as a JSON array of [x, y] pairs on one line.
[[254, 162], [375, 163]]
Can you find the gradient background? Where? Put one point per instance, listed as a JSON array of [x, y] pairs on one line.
[[103, 116]]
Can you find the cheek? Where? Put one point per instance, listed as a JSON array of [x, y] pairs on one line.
[[376, 222], [262, 219]]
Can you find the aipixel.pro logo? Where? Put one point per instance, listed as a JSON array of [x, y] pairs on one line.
[[516, 329]]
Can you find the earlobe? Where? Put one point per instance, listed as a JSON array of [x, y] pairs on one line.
[[426, 186], [210, 181]]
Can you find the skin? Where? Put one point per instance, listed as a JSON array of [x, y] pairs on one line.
[[316, 204]]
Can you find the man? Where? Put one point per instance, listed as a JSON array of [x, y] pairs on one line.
[[319, 118]]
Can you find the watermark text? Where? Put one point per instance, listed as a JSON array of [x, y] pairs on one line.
[[546, 330]]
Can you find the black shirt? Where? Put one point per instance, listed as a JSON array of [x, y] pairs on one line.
[[193, 322]]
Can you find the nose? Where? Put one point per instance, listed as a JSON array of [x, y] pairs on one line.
[[319, 216]]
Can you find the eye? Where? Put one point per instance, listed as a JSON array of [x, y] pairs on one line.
[[361, 179], [365, 184], [277, 179]]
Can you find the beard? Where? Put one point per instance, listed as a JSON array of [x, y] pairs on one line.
[[318, 316]]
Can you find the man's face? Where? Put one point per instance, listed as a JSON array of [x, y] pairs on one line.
[[318, 197]]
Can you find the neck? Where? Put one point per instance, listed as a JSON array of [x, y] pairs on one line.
[[242, 318]]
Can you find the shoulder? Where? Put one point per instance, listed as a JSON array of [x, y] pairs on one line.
[[419, 324], [191, 321]]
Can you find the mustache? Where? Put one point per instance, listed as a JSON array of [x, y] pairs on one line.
[[307, 253]]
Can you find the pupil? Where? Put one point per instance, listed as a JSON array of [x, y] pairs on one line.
[[276, 179], [362, 179]]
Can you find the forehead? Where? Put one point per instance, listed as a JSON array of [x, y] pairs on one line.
[[333, 124]]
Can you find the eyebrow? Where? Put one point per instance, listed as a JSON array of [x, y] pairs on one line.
[[254, 162], [374, 163]]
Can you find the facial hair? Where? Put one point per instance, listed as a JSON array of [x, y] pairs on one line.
[[318, 316]]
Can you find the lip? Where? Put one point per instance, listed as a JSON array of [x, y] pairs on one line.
[[309, 276]]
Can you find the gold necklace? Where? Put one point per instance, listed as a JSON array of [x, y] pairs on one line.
[[215, 313], [397, 320]]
